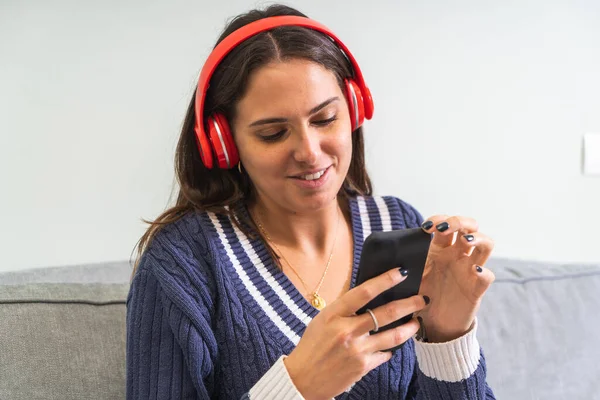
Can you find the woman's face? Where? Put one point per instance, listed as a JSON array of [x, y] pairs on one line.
[[293, 133]]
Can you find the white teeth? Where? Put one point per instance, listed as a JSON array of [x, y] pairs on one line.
[[312, 177]]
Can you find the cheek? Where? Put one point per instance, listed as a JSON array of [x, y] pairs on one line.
[[260, 163], [343, 144], [348, 153], [265, 162]]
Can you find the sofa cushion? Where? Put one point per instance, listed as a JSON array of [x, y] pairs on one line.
[[539, 330], [62, 331], [108, 272], [62, 340]]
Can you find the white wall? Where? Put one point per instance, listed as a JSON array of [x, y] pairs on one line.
[[480, 110]]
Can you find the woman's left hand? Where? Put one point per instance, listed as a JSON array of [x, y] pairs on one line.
[[454, 278]]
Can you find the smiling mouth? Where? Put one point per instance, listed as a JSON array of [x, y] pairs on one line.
[[312, 177]]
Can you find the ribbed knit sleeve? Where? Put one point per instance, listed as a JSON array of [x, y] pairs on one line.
[[276, 384], [473, 387], [452, 370], [170, 344], [156, 365]]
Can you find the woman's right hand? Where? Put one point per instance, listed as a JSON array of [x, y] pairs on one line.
[[337, 350]]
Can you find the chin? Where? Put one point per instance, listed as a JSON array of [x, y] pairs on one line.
[[314, 202]]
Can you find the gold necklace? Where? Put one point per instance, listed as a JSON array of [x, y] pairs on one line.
[[316, 300]]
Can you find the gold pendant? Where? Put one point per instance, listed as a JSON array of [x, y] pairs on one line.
[[318, 302]]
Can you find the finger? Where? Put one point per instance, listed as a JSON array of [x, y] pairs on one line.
[[364, 293], [378, 358], [430, 223], [445, 232], [481, 247], [392, 337], [389, 313], [470, 242], [484, 279]]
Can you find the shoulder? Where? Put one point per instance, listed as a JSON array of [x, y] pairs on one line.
[[176, 279], [183, 242], [400, 213], [180, 257]]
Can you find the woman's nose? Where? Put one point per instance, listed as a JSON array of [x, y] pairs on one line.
[[307, 146]]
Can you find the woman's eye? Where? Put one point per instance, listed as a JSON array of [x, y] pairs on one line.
[[272, 138], [324, 122], [278, 135]]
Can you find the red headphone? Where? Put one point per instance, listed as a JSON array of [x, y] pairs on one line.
[[219, 138]]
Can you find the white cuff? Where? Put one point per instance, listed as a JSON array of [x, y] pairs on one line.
[[275, 384], [452, 361]]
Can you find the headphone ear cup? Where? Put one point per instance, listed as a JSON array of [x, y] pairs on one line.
[[204, 147], [222, 141], [355, 104]]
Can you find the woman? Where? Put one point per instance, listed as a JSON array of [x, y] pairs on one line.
[[246, 288]]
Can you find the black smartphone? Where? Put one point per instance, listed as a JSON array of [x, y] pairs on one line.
[[382, 251]]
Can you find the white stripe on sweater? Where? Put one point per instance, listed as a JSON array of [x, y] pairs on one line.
[[364, 217], [384, 213], [254, 292], [270, 278]]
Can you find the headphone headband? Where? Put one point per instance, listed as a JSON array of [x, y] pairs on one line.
[[254, 28]]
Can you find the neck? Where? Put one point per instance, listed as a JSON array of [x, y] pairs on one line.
[[312, 233]]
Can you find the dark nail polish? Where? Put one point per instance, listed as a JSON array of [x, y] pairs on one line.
[[442, 227], [469, 238], [427, 300], [420, 320], [403, 272], [427, 225], [479, 269]]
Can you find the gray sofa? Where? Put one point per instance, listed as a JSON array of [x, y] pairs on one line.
[[62, 332]]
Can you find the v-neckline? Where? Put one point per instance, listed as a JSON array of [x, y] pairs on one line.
[[295, 294]]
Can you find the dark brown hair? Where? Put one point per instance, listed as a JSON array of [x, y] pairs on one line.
[[225, 191]]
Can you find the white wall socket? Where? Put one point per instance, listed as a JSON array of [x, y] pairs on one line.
[[591, 154]]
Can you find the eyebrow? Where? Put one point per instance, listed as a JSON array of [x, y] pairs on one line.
[[313, 110]]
